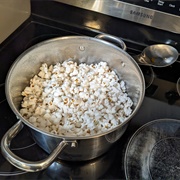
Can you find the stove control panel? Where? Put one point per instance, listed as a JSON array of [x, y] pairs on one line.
[[170, 7], [159, 14]]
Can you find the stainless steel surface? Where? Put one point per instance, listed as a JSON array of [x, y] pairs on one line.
[[158, 55], [57, 50], [12, 14], [131, 12], [113, 39], [178, 86], [21, 163], [85, 170]]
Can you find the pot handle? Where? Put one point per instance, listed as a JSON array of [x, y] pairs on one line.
[[113, 39], [21, 163]]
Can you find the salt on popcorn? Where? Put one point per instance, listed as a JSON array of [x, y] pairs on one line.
[[76, 100]]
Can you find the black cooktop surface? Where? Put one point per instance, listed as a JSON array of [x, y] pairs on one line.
[[41, 26]]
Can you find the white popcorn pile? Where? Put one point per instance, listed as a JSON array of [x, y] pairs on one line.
[[76, 100]]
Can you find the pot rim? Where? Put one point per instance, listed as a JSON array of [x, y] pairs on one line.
[[19, 116]]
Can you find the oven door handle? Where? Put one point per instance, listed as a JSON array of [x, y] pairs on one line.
[[20, 163]]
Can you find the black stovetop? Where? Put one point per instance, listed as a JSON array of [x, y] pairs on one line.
[[49, 19]]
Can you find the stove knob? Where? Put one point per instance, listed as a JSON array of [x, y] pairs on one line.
[[172, 97]]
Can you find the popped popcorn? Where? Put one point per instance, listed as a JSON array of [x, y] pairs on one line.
[[68, 99]]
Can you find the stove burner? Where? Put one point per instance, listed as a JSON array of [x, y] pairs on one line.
[[2, 95], [23, 139], [6, 169], [92, 169], [39, 39]]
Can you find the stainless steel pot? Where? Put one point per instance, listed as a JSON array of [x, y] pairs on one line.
[[85, 170], [82, 49]]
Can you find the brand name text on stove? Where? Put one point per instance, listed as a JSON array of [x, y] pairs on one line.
[[140, 14]]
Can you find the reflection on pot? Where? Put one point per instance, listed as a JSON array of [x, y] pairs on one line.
[[178, 86], [92, 169], [148, 75]]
